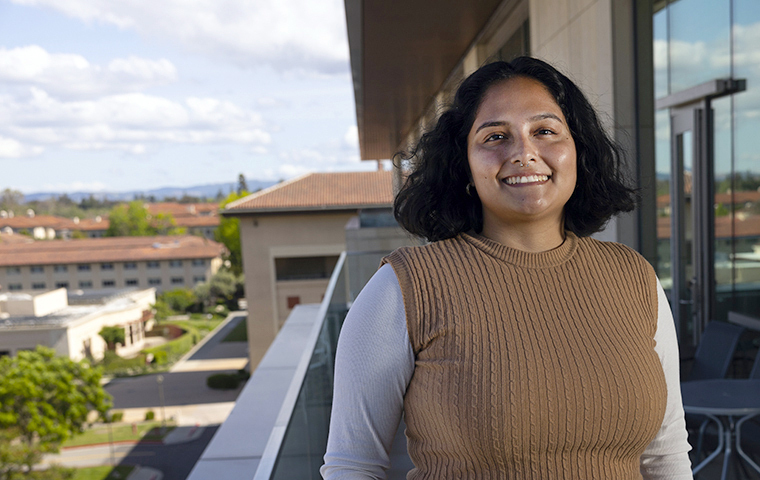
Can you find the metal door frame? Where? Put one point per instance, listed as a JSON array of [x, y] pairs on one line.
[[691, 110]]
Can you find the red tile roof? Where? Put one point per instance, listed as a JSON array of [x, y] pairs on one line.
[[24, 221], [114, 249], [14, 238], [321, 191]]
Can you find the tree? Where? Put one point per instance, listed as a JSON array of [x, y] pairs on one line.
[[133, 219], [228, 233], [179, 299], [112, 336], [11, 199], [242, 186], [222, 286], [129, 220], [44, 399]]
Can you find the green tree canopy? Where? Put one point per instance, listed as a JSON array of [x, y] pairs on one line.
[[228, 233], [44, 399], [133, 220], [112, 336]]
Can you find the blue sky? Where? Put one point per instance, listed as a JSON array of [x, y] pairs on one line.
[[136, 94]]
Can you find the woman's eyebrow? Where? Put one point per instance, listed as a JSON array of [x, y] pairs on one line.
[[540, 116], [544, 116], [490, 124]]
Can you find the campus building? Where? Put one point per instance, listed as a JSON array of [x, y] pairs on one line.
[[199, 219], [162, 263], [70, 321], [291, 236]]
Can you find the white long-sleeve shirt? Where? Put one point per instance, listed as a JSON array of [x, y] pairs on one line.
[[375, 362]]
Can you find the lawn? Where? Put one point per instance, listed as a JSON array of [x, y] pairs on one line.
[[103, 473], [239, 333], [149, 431]]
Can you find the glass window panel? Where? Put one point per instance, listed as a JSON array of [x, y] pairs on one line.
[[746, 167], [662, 166], [723, 204], [660, 29], [699, 44]]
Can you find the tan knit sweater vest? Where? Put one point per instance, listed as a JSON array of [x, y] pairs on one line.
[[530, 365]]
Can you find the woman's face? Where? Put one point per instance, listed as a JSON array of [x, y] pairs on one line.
[[519, 123]]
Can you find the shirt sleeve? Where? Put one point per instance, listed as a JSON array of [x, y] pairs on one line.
[[667, 457], [373, 365]]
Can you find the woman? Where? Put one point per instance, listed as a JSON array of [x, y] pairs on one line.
[[516, 346]]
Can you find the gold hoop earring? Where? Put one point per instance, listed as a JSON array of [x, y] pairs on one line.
[[469, 188]]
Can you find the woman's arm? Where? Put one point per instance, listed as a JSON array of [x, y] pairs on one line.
[[667, 456], [373, 365]]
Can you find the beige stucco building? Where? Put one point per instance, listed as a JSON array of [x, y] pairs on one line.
[[292, 235], [162, 263], [70, 322]]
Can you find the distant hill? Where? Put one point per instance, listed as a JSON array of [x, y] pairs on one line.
[[209, 191]]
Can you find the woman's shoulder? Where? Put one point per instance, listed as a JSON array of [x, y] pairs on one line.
[[613, 252]]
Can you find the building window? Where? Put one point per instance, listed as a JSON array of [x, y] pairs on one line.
[[15, 287], [109, 283], [131, 282], [130, 266], [199, 279], [61, 284], [85, 284], [38, 285], [37, 269], [84, 267], [106, 266], [153, 265], [175, 263], [293, 301], [60, 268], [178, 281], [154, 281], [304, 268], [13, 271], [199, 262]]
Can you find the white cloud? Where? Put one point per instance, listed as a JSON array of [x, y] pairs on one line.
[[73, 187], [126, 122], [286, 34], [10, 148], [351, 138], [71, 75]]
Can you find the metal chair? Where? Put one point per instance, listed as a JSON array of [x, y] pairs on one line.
[[712, 361], [715, 351]]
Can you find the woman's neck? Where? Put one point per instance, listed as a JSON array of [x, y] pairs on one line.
[[528, 237]]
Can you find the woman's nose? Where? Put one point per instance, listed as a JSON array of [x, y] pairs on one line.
[[523, 151]]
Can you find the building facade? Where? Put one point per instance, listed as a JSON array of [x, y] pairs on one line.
[[291, 236], [162, 263], [675, 81], [70, 321]]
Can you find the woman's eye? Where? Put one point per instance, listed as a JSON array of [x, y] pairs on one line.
[[494, 137], [545, 131]]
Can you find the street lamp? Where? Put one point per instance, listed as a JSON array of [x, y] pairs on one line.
[[160, 380]]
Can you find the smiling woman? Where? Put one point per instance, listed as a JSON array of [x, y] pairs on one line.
[[514, 344]]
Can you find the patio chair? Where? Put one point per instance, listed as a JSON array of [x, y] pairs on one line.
[[715, 351], [712, 361]]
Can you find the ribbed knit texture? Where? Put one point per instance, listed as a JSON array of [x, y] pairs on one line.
[[530, 365]]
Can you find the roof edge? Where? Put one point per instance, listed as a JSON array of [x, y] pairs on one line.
[[265, 191]]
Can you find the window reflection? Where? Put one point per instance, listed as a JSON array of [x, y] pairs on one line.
[[699, 44]]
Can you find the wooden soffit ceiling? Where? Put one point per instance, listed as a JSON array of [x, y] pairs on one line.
[[401, 54]]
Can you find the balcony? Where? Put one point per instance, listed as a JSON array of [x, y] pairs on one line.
[[278, 428]]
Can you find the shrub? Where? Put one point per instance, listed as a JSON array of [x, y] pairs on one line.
[[117, 417], [223, 381], [150, 415]]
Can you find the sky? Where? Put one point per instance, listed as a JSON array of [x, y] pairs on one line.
[[103, 95]]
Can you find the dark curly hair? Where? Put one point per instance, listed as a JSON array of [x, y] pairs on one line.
[[433, 202]]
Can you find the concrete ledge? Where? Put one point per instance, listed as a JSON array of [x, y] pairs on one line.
[[237, 447]]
